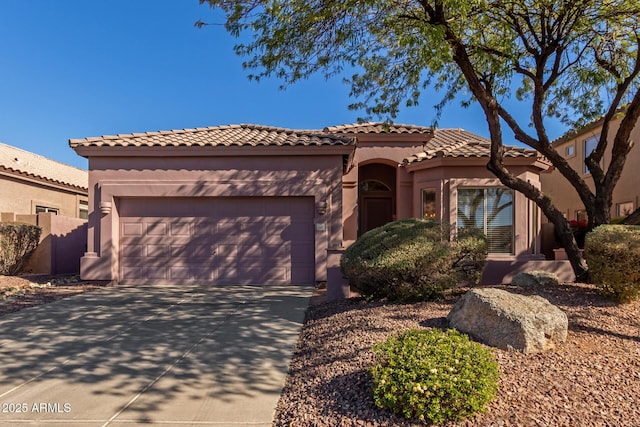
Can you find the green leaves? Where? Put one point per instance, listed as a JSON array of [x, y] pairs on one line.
[[613, 255], [412, 259], [568, 50], [433, 375]]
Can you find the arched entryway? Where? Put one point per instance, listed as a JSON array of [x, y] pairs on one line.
[[376, 196]]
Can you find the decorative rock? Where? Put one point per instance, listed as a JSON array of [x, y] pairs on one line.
[[535, 278], [505, 320]]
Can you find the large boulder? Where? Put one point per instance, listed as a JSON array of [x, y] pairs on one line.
[[535, 278], [509, 321]]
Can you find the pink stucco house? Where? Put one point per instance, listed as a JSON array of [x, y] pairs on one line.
[[258, 204]]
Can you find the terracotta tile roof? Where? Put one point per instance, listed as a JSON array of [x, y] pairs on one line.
[[461, 143], [231, 135], [378, 127], [33, 165]]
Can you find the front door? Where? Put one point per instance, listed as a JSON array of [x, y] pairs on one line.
[[376, 212], [376, 196]]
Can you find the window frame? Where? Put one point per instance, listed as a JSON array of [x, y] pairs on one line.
[[570, 151], [619, 205], [83, 209], [585, 144], [423, 214], [46, 209]]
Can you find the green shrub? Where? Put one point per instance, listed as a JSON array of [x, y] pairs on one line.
[[612, 253], [433, 375], [412, 259], [17, 243]]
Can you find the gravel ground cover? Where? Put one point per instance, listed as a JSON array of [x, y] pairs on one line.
[[593, 379], [20, 292]]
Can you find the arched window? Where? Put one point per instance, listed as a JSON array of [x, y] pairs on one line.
[[374, 185]]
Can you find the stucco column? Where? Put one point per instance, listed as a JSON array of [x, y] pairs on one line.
[[337, 284]]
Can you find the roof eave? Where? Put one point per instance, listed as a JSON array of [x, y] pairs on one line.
[[221, 151], [474, 161], [23, 176]]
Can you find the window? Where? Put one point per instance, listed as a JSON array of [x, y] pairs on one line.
[[589, 145], [429, 203], [45, 209], [570, 151], [624, 209], [374, 185], [490, 210], [83, 209]]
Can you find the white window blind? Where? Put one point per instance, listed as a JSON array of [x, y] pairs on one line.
[[491, 211]]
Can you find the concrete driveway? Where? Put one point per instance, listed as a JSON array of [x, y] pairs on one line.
[[162, 355]]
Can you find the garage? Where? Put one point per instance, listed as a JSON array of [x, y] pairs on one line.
[[222, 240]]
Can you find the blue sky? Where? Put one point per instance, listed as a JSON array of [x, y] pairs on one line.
[[74, 69]]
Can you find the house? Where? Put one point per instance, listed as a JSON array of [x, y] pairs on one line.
[[574, 147], [32, 184], [259, 204], [52, 195]]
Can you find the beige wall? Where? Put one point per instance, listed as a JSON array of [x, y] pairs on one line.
[[564, 195], [22, 195]]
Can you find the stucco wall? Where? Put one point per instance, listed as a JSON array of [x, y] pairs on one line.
[[447, 175], [384, 149], [111, 178], [21, 196], [63, 241], [564, 195]]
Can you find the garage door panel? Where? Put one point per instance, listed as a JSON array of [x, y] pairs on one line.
[[156, 228], [228, 227], [181, 229], [250, 250], [252, 227], [226, 250], [205, 229], [224, 240], [132, 229], [133, 272], [178, 273], [155, 251], [156, 272], [276, 274], [133, 251], [203, 272]]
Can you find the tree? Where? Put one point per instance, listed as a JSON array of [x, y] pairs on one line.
[[573, 60]]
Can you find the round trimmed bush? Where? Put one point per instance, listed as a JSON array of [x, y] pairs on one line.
[[412, 260], [433, 375], [612, 253]]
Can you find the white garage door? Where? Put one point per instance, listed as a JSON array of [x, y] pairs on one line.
[[226, 240]]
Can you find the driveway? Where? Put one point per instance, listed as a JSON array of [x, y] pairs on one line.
[[161, 355]]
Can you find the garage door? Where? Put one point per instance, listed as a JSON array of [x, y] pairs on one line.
[[222, 240]]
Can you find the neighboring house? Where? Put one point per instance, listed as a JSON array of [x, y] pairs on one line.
[[574, 147], [258, 204], [32, 184], [52, 195]]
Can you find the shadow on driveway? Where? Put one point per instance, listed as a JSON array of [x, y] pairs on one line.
[[169, 354]]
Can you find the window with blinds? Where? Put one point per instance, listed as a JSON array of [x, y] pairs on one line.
[[491, 211]]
